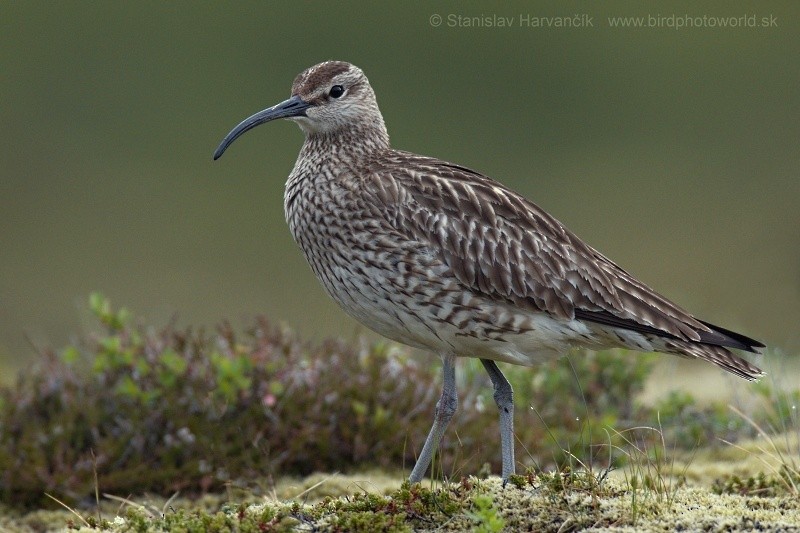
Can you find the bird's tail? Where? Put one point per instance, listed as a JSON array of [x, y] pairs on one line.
[[719, 355]]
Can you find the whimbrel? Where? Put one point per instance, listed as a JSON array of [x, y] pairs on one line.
[[440, 257]]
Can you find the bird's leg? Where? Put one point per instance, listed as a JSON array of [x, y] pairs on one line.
[[445, 407], [504, 398]]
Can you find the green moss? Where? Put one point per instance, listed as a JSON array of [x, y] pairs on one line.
[[470, 505]]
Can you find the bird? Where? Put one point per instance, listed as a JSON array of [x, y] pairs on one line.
[[440, 257]]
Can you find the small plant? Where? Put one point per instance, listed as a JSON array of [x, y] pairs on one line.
[[648, 472], [568, 480], [759, 485], [487, 518]]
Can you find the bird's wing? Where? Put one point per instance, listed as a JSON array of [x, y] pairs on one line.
[[500, 244]]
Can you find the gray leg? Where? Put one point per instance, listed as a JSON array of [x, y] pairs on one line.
[[445, 407], [504, 398]]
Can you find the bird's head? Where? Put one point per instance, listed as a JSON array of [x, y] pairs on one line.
[[327, 99]]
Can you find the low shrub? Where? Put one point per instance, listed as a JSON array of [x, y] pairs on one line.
[[133, 408]]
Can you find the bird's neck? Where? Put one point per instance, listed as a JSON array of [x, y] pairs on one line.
[[354, 142], [322, 160]]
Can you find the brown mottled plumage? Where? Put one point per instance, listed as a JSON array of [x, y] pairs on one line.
[[440, 257]]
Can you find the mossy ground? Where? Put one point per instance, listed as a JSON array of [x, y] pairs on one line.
[[699, 493]]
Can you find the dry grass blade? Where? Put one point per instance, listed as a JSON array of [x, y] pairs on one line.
[[139, 506], [315, 485], [789, 470], [168, 502], [68, 508], [96, 484]]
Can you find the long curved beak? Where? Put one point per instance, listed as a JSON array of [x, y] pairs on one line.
[[293, 107]]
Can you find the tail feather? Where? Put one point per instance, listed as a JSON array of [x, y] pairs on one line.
[[731, 339], [720, 356], [712, 345]]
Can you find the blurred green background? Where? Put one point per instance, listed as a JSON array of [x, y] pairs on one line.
[[675, 152]]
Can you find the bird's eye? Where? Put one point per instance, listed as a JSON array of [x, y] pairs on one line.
[[336, 91]]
